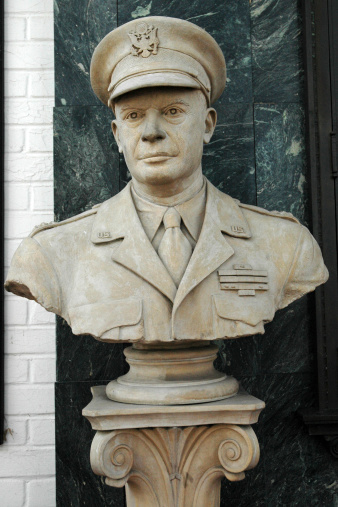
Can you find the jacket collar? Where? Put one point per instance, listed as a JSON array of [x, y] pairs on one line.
[[117, 219], [222, 214], [113, 216]]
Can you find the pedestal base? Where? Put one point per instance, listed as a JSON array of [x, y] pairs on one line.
[[179, 466], [174, 376]]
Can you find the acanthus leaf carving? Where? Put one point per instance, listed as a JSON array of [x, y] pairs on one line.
[[174, 467]]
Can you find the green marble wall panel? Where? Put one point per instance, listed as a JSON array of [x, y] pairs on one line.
[[86, 162], [228, 22], [289, 342], [294, 469], [257, 155], [277, 59], [270, 18], [80, 357], [299, 470], [79, 26], [281, 173], [229, 158], [76, 484], [282, 184]]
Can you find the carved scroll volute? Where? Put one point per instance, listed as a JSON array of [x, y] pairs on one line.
[[130, 458], [174, 467], [239, 452], [221, 450], [110, 458]]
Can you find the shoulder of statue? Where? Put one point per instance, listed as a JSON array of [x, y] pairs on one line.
[[274, 213], [51, 225]]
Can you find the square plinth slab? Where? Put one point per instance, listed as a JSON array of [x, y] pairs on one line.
[[105, 414]]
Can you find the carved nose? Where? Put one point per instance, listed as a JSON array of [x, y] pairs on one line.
[[152, 132]]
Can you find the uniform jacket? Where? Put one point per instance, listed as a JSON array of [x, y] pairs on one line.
[[99, 271]]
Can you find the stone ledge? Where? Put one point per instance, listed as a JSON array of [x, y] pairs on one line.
[[105, 414]]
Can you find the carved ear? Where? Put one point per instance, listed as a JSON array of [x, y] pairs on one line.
[[114, 128], [210, 124]]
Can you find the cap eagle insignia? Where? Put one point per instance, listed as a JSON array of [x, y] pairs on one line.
[[144, 40]]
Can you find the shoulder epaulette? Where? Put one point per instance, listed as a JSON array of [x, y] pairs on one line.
[[50, 225], [262, 211]]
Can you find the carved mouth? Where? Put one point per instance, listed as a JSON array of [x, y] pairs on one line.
[[157, 157]]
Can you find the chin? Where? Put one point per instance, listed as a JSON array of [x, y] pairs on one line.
[[157, 174]]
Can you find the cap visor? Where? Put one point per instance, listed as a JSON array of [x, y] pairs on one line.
[[154, 79]]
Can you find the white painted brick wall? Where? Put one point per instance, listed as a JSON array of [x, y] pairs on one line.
[[27, 458]]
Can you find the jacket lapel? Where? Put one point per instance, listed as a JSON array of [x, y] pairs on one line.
[[117, 218], [222, 214]]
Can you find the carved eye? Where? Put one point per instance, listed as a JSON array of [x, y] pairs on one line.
[[133, 116], [173, 111]]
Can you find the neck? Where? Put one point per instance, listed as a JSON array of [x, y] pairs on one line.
[[165, 197]]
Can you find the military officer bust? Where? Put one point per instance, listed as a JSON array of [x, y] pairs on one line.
[[170, 258]]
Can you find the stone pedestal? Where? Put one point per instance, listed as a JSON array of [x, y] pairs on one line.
[[171, 376], [173, 456]]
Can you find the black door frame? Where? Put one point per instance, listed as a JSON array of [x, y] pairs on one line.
[[320, 21], [2, 206]]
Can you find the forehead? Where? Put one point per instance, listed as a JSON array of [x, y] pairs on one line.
[[160, 97]]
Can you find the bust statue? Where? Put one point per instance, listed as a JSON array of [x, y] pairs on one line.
[[170, 263]]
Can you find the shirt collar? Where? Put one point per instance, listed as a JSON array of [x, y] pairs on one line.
[[191, 211]]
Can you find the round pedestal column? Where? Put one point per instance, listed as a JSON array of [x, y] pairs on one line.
[[174, 376]]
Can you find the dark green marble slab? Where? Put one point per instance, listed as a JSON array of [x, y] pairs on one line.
[[79, 27], [82, 358], [238, 86], [228, 22], [229, 158], [299, 469], [275, 18], [86, 172], [282, 179], [277, 58], [288, 345], [86, 162], [239, 357], [76, 483], [256, 155], [278, 71]]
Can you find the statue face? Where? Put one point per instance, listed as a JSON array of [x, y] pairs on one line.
[[161, 132]]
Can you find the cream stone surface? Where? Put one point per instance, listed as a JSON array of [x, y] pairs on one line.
[[105, 414], [171, 377], [174, 467], [157, 51], [180, 460], [170, 259], [101, 274]]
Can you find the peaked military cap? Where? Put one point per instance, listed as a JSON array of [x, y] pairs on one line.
[[157, 51]]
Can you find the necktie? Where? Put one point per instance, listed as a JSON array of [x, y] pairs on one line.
[[174, 249]]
